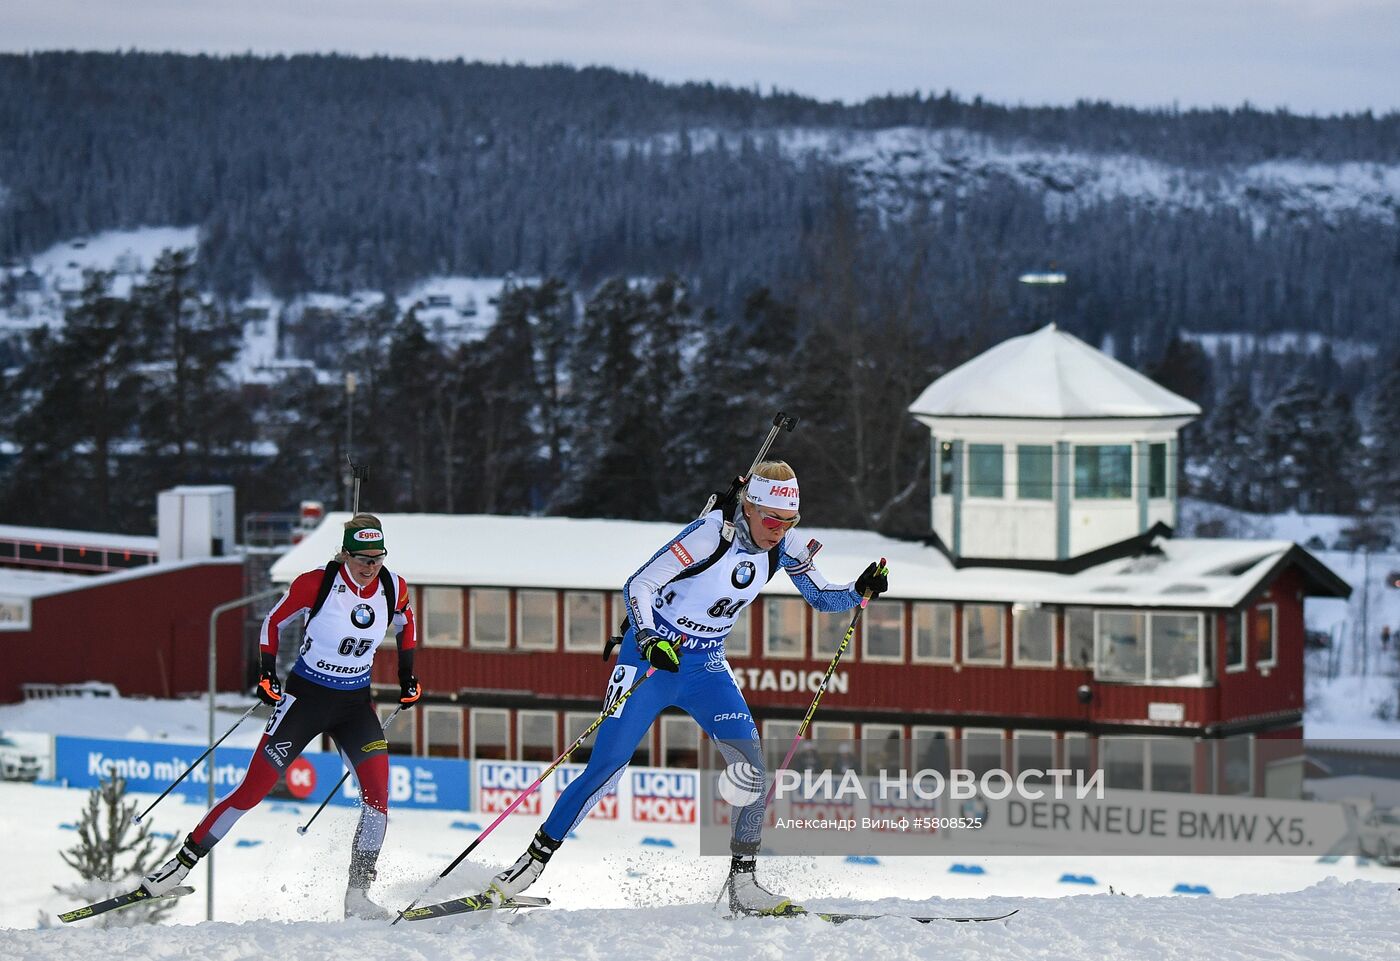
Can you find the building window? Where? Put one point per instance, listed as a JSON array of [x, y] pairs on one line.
[[783, 627], [1079, 637], [932, 747], [777, 738], [489, 737], [680, 742], [1265, 635], [619, 614], [945, 467], [575, 723], [1157, 470], [1176, 647], [583, 621], [1156, 648], [1034, 632], [883, 631], [882, 749], [985, 465], [982, 750], [1121, 759], [535, 620], [535, 735], [1033, 751], [442, 617], [984, 632], [1074, 752], [444, 731], [1235, 659], [400, 733], [1171, 764], [1235, 764], [933, 633], [1035, 472], [738, 643], [1103, 471], [1122, 646], [828, 629], [836, 744], [490, 608]]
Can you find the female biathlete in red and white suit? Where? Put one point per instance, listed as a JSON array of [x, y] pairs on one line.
[[328, 693]]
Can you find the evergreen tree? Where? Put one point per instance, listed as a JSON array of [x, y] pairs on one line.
[[189, 409], [505, 446], [1230, 451], [74, 403], [112, 853], [1382, 468], [1292, 445], [624, 370]]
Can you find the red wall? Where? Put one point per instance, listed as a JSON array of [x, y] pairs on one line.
[[1255, 690], [147, 633], [967, 692]]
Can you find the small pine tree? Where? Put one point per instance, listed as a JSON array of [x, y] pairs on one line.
[[112, 851]]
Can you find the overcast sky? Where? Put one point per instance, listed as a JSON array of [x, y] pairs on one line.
[[1311, 56]]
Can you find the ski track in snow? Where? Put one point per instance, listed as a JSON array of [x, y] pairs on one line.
[[1356, 921], [279, 893]]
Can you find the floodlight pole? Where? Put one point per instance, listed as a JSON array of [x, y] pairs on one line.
[[211, 767]]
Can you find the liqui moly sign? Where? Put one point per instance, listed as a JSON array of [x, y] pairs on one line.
[[607, 807], [501, 782], [665, 797]]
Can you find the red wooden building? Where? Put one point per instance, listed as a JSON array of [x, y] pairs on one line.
[[1048, 618], [145, 630]]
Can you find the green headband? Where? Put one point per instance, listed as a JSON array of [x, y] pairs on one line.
[[364, 539]]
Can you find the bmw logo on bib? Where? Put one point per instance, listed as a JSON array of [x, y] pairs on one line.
[[362, 616], [743, 575]]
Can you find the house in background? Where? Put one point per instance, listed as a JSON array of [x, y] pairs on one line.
[[1050, 618]]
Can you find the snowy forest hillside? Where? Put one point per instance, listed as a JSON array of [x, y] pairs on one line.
[[702, 256]]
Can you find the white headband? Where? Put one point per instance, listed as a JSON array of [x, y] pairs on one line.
[[781, 494]]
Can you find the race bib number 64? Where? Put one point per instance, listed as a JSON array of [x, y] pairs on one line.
[[622, 677]]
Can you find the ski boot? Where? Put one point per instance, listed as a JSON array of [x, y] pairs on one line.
[[525, 871], [360, 907], [362, 875], [168, 876], [748, 897]]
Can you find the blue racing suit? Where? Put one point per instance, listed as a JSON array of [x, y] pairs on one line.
[[701, 607]]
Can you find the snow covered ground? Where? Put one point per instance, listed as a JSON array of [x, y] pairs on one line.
[[277, 891], [624, 890]]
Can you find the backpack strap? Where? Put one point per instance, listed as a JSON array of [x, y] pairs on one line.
[[324, 591], [386, 584], [691, 571], [706, 564]]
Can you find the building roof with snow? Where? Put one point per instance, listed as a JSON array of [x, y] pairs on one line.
[[600, 555], [1048, 375]]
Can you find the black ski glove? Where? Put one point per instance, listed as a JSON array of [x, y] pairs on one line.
[[269, 689], [660, 652], [409, 691], [874, 580]]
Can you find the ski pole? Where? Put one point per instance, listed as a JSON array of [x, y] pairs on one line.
[[781, 422], [344, 777], [608, 710], [194, 765], [821, 688]]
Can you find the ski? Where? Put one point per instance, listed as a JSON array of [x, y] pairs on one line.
[[839, 918], [120, 901], [472, 902]]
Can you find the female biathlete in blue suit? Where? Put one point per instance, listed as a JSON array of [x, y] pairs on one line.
[[680, 607]]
